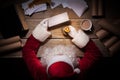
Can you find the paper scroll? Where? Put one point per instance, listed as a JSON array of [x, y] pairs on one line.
[[10, 47], [115, 47], [108, 26], [110, 41], [97, 8], [10, 44], [9, 40], [102, 34]]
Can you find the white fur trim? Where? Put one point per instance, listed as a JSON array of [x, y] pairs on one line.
[[77, 70], [41, 34], [81, 39], [51, 52], [62, 58]]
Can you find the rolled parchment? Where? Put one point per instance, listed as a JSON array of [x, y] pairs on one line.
[[106, 25], [100, 8], [110, 41], [102, 33], [94, 8], [9, 40], [115, 47], [11, 47]]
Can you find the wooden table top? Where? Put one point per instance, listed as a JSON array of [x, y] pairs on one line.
[[57, 36]]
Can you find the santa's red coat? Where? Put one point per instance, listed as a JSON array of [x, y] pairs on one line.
[[92, 54]]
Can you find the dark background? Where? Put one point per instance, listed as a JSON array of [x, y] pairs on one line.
[[15, 69]]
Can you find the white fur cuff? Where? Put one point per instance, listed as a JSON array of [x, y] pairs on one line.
[[58, 58], [41, 35], [81, 39]]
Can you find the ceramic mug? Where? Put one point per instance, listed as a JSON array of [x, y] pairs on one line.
[[86, 25]]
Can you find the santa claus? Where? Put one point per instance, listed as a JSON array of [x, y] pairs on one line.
[[61, 61]]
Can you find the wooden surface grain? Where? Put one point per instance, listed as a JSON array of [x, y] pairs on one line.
[[57, 35]]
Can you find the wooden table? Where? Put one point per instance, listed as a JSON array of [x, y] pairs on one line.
[[57, 38]]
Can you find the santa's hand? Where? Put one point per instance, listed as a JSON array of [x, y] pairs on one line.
[[72, 32], [40, 32], [79, 37]]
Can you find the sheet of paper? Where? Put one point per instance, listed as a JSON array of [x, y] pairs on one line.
[[35, 8], [25, 4], [55, 3], [78, 6], [43, 7], [66, 5]]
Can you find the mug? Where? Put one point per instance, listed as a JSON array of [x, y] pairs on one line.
[[86, 25]]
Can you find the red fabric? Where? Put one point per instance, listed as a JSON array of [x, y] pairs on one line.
[[92, 54], [63, 70], [33, 63]]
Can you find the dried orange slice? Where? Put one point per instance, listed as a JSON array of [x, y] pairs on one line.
[[66, 29]]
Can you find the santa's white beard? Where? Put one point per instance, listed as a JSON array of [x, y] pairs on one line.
[[49, 53]]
